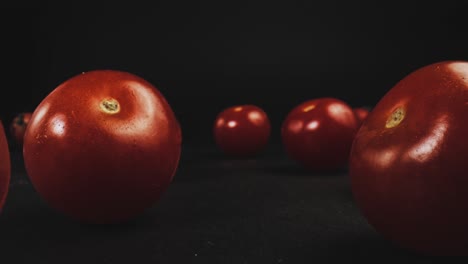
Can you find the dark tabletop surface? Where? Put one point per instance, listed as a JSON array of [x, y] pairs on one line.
[[217, 210]]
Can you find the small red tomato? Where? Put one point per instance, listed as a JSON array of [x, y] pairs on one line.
[[102, 147], [361, 114], [408, 165], [5, 166], [318, 133], [242, 131], [18, 127]]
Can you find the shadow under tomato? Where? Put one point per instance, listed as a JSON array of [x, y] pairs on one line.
[[222, 157], [138, 222], [224, 164], [290, 168], [25, 210]]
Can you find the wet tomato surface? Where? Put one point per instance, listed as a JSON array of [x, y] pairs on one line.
[[242, 130], [408, 164], [102, 147], [318, 133]]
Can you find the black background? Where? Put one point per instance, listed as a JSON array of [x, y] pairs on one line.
[[205, 56]]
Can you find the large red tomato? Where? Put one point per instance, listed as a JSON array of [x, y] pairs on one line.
[[408, 164], [318, 133], [5, 166], [102, 147], [18, 126], [242, 130]]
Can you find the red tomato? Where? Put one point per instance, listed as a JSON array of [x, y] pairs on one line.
[[242, 130], [361, 114], [318, 133], [18, 126], [5, 166], [102, 147], [408, 164]]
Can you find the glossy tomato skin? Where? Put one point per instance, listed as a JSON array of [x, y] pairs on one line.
[[102, 147], [408, 164], [5, 166], [318, 133], [18, 127], [361, 114], [242, 130]]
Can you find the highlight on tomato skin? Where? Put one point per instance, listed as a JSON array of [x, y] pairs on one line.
[[5, 166], [318, 134], [408, 169], [18, 127], [102, 147], [242, 131]]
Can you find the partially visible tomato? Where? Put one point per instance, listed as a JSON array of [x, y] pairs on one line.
[[18, 126], [5, 166], [318, 133], [242, 130], [102, 147], [361, 114], [408, 164]]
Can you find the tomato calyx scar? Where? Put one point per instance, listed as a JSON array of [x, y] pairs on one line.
[[109, 106], [396, 117]]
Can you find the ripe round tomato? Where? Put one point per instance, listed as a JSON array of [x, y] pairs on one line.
[[102, 147], [18, 127], [242, 130], [361, 114], [408, 164], [5, 166], [318, 133]]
